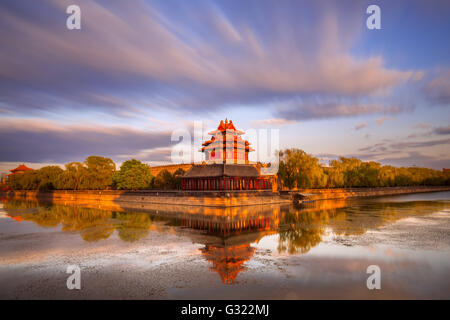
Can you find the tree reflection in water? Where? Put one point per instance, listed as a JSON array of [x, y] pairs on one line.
[[132, 226], [93, 224], [227, 234]]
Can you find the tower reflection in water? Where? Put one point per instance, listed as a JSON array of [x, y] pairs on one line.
[[225, 233]]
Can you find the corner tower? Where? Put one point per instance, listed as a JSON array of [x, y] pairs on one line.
[[226, 145]]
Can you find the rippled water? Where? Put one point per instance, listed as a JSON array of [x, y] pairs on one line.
[[321, 250]]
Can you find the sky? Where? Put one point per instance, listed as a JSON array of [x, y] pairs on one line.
[[138, 71]]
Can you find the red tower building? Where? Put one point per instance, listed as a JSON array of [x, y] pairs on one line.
[[227, 166], [226, 145]]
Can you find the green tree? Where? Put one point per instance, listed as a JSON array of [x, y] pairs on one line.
[[48, 177], [386, 176], [133, 175], [99, 173], [164, 180], [301, 170], [177, 178], [351, 171], [15, 182], [29, 180], [287, 173], [369, 173], [335, 174], [72, 177], [132, 226], [403, 178]]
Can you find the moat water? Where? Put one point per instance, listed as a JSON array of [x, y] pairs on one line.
[[321, 250]]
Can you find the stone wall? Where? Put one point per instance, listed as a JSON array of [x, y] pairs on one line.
[[208, 198], [194, 198], [343, 193]]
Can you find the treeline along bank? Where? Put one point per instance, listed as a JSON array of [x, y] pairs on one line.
[[297, 170]]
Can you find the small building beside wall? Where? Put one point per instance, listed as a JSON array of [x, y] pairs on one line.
[[19, 170]]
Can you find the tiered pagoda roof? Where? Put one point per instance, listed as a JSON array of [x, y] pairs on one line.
[[226, 136], [22, 167]]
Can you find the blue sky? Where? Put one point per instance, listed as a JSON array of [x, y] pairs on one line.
[[138, 70]]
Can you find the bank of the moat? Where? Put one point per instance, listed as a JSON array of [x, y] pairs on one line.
[[212, 198]]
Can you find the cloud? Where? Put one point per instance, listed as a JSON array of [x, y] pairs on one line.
[[394, 146], [397, 158], [424, 131], [422, 126], [419, 144], [378, 147], [381, 120], [360, 126], [30, 140], [408, 158], [417, 158], [141, 57], [155, 155], [407, 153], [225, 27], [273, 122], [307, 109], [438, 89], [442, 130]]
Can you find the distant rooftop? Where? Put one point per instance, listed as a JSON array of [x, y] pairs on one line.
[[22, 167]]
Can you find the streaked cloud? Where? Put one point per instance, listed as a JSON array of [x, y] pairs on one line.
[[360, 126], [419, 144], [273, 122], [416, 158], [307, 109], [404, 145], [407, 158], [421, 125], [185, 64], [30, 140], [438, 89], [381, 120], [442, 130]]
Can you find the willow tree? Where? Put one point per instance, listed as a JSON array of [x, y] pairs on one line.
[[164, 180], [99, 173], [72, 177], [335, 173], [133, 175], [301, 170], [48, 177]]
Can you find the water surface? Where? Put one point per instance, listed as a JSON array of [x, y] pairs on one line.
[[321, 250]]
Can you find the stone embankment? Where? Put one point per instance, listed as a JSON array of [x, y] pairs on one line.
[[213, 199]]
